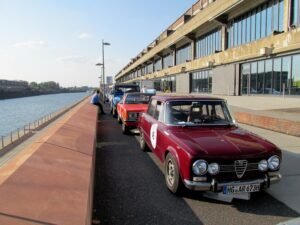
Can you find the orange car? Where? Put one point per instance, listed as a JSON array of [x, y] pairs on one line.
[[129, 108]]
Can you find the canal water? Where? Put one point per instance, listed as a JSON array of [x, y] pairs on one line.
[[17, 112]]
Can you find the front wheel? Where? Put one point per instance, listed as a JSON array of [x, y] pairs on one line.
[[172, 177], [119, 119], [114, 112], [143, 145], [124, 129]]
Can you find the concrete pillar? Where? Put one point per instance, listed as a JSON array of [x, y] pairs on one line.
[[224, 38], [193, 44]]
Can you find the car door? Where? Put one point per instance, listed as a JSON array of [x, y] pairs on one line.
[[153, 129], [147, 120]]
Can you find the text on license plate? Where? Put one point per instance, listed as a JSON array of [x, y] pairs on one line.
[[231, 189]]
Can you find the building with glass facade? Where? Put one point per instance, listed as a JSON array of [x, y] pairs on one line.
[[228, 47]]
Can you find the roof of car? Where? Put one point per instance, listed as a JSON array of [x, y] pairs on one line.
[[138, 93], [164, 98]]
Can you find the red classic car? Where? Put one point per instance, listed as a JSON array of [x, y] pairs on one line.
[[203, 149], [129, 107]]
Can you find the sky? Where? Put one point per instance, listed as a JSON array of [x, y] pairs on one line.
[[60, 40]]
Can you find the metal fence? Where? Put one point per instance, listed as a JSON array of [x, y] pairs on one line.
[[31, 127]]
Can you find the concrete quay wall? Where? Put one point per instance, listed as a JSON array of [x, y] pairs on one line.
[[285, 126], [51, 180]]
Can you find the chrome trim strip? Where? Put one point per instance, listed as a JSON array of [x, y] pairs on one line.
[[209, 186]]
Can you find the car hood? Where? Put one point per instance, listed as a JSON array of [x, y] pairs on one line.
[[230, 142], [136, 107]]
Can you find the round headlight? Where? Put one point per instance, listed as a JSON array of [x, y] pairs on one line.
[[274, 162], [213, 168], [200, 167], [263, 165]]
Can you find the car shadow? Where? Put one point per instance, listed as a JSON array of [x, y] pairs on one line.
[[261, 203]]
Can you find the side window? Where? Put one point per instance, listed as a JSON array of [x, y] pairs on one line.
[[157, 110], [151, 108], [219, 111], [161, 117]]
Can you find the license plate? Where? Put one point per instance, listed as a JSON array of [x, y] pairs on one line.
[[245, 188]]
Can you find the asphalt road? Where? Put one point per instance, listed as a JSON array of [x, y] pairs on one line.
[[130, 189]]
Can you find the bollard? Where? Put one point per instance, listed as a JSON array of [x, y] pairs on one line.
[[2, 142], [11, 137], [18, 133]]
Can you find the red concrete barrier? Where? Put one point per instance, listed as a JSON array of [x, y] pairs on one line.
[[270, 123], [51, 181]]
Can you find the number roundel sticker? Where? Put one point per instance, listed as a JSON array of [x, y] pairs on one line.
[[153, 135]]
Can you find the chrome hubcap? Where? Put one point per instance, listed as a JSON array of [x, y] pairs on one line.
[[170, 173]]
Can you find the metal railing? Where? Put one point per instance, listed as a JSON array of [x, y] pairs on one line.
[[32, 127]]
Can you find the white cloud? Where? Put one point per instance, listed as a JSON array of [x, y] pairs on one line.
[[72, 59], [84, 35], [30, 44]]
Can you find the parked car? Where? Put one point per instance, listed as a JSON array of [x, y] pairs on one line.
[[129, 108], [117, 93], [203, 149]]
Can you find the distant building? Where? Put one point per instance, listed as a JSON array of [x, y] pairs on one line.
[[13, 85], [109, 79], [225, 47]]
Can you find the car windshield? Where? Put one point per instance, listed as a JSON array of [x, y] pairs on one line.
[[137, 99], [201, 112]]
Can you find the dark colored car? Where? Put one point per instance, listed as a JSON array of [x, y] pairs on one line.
[[117, 93], [203, 149]]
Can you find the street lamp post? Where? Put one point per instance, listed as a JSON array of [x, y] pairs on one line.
[[100, 78], [103, 68]]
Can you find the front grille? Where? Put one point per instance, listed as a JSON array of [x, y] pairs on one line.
[[135, 118], [239, 169]]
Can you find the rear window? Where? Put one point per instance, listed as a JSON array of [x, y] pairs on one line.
[[137, 99], [127, 89]]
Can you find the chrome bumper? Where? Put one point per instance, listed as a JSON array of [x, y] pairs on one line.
[[216, 186]]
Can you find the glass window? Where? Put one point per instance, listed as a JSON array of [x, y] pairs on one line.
[[260, 76], [157, 65], [268, 77], [277, 75], [248, 23], [253, 78], [239, 32], [269, 19], [295, 12], [209, 81], [235, 43], [183, 54], [295, 89], [275, 15], [245, 78], [244, 31], [258, 24], [286, 72], [201, 81], [280, 16], [263, 21], [253, 29], [208, 44]]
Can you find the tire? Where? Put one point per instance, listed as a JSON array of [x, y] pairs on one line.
[[172, 177], [119, 119], [114, 112], [143, 145], [125, 129]]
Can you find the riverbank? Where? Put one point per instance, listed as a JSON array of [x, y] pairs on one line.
[[21, 94]]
